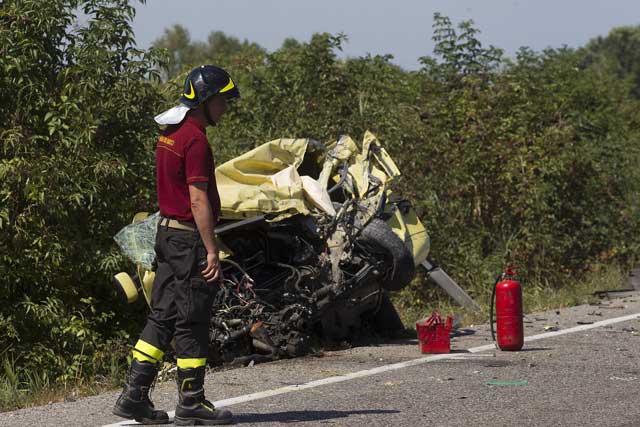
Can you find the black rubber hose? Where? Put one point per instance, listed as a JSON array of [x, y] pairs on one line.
[[239, 333], [261, 345], [322, 292], [491, 305]]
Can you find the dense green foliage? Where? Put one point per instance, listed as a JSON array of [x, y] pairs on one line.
[[532, 160], [620, 49], [218, 49], [76, 107]]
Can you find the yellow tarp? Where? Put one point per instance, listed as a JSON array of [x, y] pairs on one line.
[[246, 183]]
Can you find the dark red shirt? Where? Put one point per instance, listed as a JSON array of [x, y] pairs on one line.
[[183, 156]]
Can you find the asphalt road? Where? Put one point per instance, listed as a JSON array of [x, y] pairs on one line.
[[586, 374]]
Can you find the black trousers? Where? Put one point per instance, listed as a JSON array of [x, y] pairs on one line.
[[181, 299]]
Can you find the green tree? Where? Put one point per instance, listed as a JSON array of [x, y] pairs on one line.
[[177, 41], [220, 49], [290, 43], [524, 161], [303, 89], [620, 49], [76, 108]]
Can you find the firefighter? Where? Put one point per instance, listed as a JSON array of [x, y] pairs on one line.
[[188, 267]]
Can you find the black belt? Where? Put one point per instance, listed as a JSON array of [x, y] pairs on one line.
[[179, 225]]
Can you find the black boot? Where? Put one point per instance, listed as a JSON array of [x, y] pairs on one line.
[[134, 402], [193, 409]]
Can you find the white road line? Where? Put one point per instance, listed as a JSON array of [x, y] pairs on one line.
[[395, 366]]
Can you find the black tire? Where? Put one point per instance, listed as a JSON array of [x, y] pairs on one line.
[[387, 321], [378, 233]]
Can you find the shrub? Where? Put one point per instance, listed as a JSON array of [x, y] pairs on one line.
[[76, 106]]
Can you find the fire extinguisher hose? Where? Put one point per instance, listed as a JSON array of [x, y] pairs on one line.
[[492, 305]]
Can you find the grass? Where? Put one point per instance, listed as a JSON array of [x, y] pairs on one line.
[[16, 392], [537, 297], [601, 278], [32, 388]]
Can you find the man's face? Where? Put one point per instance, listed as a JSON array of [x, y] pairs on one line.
[[217, 107]]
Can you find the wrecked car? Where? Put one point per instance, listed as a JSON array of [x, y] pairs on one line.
[[312, 240]]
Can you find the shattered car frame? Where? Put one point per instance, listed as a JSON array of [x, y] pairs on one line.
[[312, 239]]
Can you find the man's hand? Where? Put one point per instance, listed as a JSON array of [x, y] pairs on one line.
[[213, 271]]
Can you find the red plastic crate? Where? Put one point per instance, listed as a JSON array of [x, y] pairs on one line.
[[433, 334]]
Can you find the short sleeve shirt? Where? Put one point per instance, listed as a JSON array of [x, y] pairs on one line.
[[183, 156]]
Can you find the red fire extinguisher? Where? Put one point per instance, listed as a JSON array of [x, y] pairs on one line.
[[507, 295]]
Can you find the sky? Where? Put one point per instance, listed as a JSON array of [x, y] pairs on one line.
[[402, 28]]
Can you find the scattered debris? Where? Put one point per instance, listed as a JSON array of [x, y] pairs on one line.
[[550, 328], [498, 364], [584, 322], [617, 293], [623, 378], [507, 383]]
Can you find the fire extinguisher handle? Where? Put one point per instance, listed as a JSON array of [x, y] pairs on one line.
[[510, 271]]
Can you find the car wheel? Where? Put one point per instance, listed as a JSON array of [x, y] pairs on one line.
[[378, 233]]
